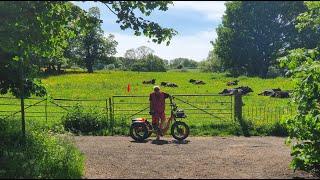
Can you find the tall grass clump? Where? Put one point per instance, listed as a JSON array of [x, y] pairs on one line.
[[83, 121], [43, 155]]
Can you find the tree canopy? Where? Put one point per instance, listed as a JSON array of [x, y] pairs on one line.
[[35, 31], [254, 34]]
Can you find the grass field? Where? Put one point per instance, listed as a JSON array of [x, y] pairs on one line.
[[104, 84]]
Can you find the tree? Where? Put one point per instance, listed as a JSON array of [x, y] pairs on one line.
[[125, 11], [32, 31], [36, 31], [211, 64], [93, 46], [304, 67], [253, 34], [183, 62], [143, 51], [132, 56], [150, 63]]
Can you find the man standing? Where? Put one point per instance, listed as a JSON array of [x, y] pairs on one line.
[[157, 108]]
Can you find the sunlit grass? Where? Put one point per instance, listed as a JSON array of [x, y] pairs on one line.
[[104, 84]]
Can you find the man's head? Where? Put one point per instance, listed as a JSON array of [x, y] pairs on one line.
[[156, 89]]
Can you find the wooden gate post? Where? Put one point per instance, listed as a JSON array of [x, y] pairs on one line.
[[237, 106], [111, 116]]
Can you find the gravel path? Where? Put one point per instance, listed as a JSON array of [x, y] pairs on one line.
[[198, 157]]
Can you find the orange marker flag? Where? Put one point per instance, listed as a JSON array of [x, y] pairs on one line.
[[128, 88]]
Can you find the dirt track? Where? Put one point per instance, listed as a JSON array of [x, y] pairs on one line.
[[199, 157]]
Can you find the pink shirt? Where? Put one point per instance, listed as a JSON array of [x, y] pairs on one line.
[[158, 101]]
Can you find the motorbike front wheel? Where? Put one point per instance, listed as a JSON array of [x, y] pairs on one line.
[[139, 132], [180, 130]]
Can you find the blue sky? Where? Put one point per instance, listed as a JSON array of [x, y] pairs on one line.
[[195, 22]]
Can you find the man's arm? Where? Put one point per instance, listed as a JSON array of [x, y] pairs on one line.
[[151, 108], [166, 95]]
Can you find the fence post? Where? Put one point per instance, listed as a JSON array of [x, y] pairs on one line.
[[107, 110], [46, 110], [111, 116], [22, 97], [23, 120], [237, 106]]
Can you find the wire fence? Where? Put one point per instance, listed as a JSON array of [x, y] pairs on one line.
[[262, 115], [47, 110], [202, 110]]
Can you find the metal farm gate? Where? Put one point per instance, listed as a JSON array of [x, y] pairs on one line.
[[206, 110]]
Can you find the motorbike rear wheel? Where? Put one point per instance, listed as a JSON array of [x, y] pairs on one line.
[[180, 130], [139, 132]]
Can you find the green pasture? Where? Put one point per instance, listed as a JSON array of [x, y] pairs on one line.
[[104, 84]]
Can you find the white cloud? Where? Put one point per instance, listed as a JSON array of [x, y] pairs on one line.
[[195, 46], [212, 9]]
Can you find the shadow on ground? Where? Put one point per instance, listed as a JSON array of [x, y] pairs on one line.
[[162, 142]]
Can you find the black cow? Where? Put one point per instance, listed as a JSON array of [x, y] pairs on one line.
[[199, 82], [243, 90], [163, 83], [192, 80], [168, 84], [196, 81], [281, 94], [233, 83], [269, 92], [152, 81], [171, 85]]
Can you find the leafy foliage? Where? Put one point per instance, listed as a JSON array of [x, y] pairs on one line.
[[184, 62], [92, 47], [40, 32], [125, 11], [32, 30], [80, 121], [150, 63], [43, 156], [304, 67], [254, 34], [211, 64]]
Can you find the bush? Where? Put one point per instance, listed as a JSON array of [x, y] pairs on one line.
[[111, 67], [150, 63], [43, 155], [248, 128], [90, 122], [180, 66], [273, 72]]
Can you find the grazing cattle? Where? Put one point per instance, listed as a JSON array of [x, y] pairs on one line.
[[192, 80], [281, 94], [171, 85], [196, 81], [243, 90], [199, 82], [278, 93], [152, 81], [168, 84], [269, 92], [233, 83], [228, 91], [163, 83]]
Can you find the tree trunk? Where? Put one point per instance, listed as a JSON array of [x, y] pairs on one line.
[[89, 65], [264, 69], [59, 68], [90, 69]]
